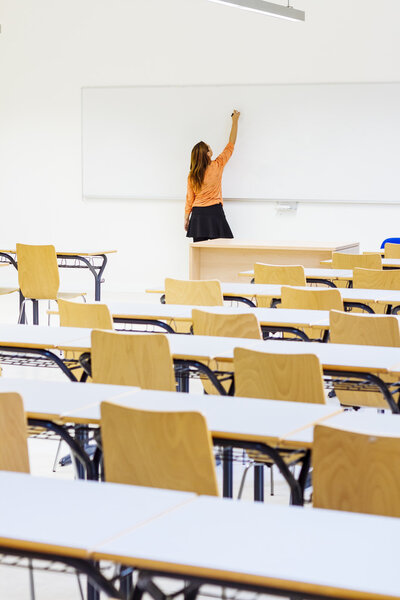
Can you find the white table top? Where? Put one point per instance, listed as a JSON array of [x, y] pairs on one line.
[[327, 273], [367, 421], [360, 358], [184, 312], [57, 399], [236, 418], [40, 336], [350, 357], [312, 549], [36, 509], [85, 252], [386, 262], [347, 294]]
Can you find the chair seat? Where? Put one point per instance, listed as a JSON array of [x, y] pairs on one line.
[[8, 290]]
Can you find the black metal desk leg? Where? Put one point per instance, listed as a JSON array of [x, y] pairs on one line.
[[259, 483], [35, 311], [22, 311], [227, 473], [92, 593]]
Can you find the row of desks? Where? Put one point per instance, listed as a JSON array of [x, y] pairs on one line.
[[246, 292], [336, 359], [328, 275], [271, 549]]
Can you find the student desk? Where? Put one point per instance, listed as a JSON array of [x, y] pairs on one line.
[[258, 425], [48, 403], [363, 364], [169, 533], [246, 293], [387, 263], [32, 522], [271, 320], [350, 296], [36, 345], [325, 276], [223, 259], [95, 261]]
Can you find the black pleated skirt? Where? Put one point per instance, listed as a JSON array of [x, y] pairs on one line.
[[208, 223]]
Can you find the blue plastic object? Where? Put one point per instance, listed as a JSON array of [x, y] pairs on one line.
[[391, 241]]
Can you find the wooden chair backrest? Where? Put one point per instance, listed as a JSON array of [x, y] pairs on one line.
[[392, 250], [367, 329], [376, 279], [292, 377], [356, 472], [279, 274], [240, 325], [312, 299], [196, 292], [171, 450], [82, 314], [38, 275], [131, 359], [13, 434], [341, 260]]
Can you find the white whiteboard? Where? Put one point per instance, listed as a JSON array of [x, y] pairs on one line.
[[323, 142]]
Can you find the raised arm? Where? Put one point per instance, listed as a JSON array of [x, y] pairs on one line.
[[234, 128]]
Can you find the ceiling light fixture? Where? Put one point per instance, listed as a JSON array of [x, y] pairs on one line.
[[266, 8]]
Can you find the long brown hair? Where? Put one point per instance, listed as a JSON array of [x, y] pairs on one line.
[[199, 162]]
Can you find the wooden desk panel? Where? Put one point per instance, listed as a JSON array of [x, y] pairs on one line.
[[224, 259]]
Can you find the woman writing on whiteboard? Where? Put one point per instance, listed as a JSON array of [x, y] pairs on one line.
[[204, 216]]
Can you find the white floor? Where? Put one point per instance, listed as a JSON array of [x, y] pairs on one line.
[[14, 582]]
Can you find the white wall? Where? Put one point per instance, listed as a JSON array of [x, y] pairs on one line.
[[49, 49]]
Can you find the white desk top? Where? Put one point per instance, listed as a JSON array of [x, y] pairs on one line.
[[345, 274], [366, 421], [386, 262], [312, 549], [56, 399], [74, 515], [360, 358], [86, 252], [347, 294], [184, 312], [350, 357], [38, 336], [227, 417]]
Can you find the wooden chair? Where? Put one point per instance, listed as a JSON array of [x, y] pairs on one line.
[[370, 330], [13, 434], [293, 377], [356, 472], [277, 274], [312, 299], [392, 250], [93, 316], [171, 450], [38, 277], [341, 260], [376, 279], [239, 325], [132, 359], [196, 292]]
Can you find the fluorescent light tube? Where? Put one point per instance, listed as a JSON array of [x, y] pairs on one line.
[[266, 8]]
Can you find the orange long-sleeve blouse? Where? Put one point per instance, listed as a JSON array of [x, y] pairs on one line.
[[211, 190]]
